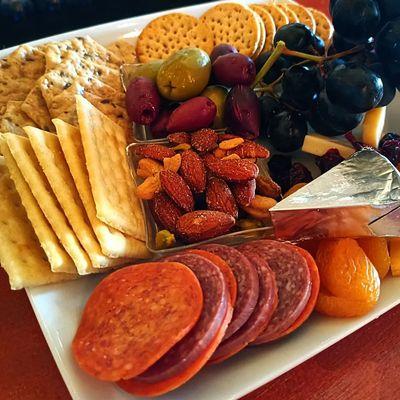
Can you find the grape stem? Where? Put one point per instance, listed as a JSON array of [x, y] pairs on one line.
[[279, 49]]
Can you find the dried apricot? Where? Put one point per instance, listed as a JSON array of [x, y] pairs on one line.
[[341, 307], [346, 271], [395, 256], [377, 251]]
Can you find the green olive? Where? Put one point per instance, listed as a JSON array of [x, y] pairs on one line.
[[147, 70], [184, 74], [217, 94]]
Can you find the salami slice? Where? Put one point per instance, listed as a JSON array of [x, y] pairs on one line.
[[134, 316], [247, 284], [192, 348], [293, 280], [225, 269], [315, 285], [259, 319]]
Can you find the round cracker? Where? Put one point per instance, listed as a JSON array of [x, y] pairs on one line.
[[263, 35], [305, 17], [279, 16], [169, 33], [293, 18], [235, 24], [324, 27], [269, 26]]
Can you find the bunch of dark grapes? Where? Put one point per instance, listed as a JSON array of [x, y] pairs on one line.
[[332, 96]]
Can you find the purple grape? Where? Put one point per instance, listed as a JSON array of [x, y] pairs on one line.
[[329, 160]]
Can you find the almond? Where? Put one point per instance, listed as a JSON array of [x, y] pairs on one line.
[[154, 151], [250, 150], [193, 171], [197, 226], [164, 211], [176, 188], [266, 186], [231, 170], [220, 198], [179, 138], [204, 140], [244, 192]]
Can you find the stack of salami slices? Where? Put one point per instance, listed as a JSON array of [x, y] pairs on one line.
[[151, 327]]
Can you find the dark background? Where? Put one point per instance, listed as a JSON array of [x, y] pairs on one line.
[[25, 20]]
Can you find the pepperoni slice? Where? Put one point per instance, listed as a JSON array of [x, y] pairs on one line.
[[259, 319], [225, 269], [189, 355], [315, 285], [293, 280], [134, 316], [247, 284]]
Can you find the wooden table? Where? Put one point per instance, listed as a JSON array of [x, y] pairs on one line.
[[364, 366]]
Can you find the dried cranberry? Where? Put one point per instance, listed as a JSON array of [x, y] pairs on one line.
[[354, 142], [391, 150], [329, 160], [298, 174], [279, 169], [389, 136]]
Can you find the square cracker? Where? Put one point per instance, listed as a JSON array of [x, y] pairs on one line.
[[28, 164], [58, 258], [19, 73], [20, 253], [14, 119], [50, 156], [113, 243], [113, 189]]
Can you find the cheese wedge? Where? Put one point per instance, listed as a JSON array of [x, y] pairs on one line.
[[318, 145]]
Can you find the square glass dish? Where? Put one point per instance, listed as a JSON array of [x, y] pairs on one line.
[[151, 226]]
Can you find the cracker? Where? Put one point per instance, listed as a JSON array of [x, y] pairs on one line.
[[324, 28], [293, 18], [269, 26], [235, 24], [14, 119], [59, 260], [24, 155], [18, 74], [50, 156], [124, 50], [104, 144], [35, 107], [303, 14], [280, 18], [168, 33], [20, 253], [113, 243], [85, 47], [263, 35]]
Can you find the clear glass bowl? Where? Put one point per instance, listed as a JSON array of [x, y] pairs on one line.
[[233, 238]]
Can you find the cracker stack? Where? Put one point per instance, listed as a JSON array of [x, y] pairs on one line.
[[76, 198], [38, 84]]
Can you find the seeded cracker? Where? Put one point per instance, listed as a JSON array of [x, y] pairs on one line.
[[235, 24], [20, 253], [165, 35], [124, 50], [113, 243], [14, 119], [50, 156], [59, 260], [269, 26], [25, 158], [104, 144]]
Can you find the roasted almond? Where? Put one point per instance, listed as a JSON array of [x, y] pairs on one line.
[[176, 188], [165, 211], [154, 151], [193, 171], [220, 198]]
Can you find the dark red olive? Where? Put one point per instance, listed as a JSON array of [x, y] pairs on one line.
[[234, 69], [196, 113], [142, 101], [159, 126], [221, 50], [242, 112]]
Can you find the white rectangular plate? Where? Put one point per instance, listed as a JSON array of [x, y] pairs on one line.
[[58, 307]]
